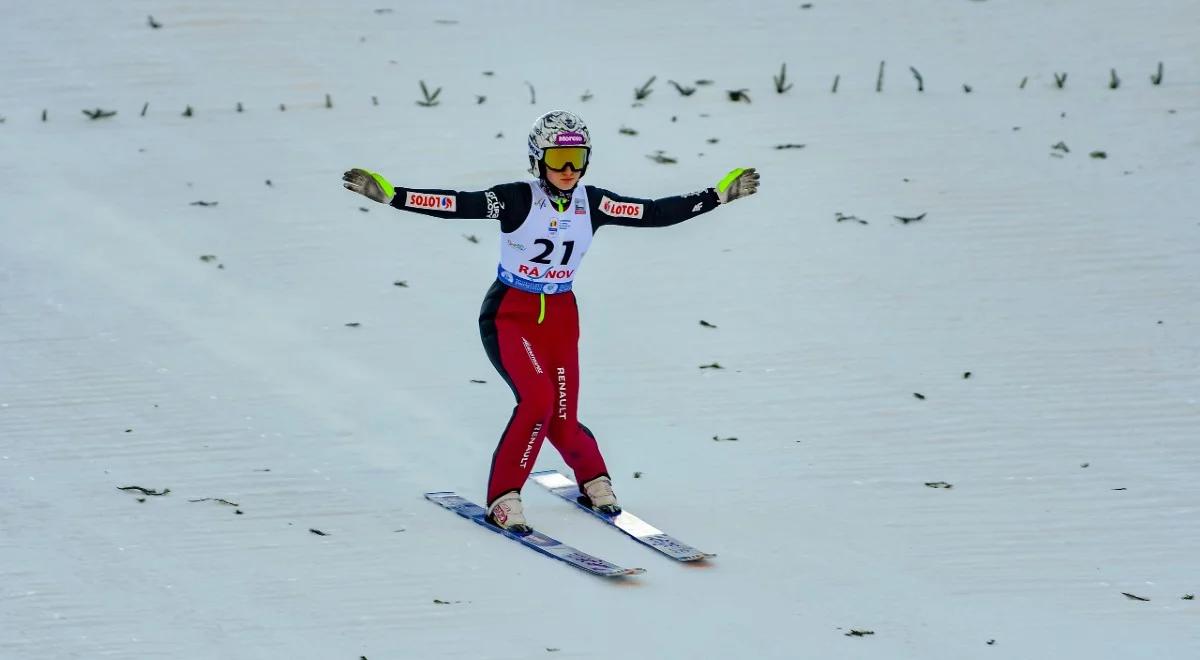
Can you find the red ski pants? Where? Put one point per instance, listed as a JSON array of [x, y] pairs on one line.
[[533, 341]]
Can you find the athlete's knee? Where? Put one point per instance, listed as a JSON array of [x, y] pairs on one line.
[[537, 400]]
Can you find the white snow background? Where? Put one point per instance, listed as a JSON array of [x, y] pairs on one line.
[[1067, 285]]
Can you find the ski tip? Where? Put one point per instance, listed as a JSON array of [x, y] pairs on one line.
[[628, 572]]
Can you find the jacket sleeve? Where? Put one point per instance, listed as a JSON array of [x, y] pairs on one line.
[[609, 208], [504, 202]]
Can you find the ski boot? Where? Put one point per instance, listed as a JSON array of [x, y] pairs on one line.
[[507, 514], [598, 494]]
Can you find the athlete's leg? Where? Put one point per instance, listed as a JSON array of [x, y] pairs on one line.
[[571, 438], [505, 327]]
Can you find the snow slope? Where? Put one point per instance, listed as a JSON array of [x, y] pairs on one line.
[[1067, 285]]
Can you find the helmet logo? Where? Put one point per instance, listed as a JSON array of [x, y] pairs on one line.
[[572, 138]]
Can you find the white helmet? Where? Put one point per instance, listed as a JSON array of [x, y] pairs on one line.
[[558, 128]]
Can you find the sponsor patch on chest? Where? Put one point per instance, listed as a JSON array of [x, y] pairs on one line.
[[621, 209], [432, 202]]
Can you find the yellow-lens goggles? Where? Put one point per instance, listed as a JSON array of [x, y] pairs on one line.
[[557, 158]]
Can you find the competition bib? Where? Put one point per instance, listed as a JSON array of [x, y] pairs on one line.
[[542, 255]]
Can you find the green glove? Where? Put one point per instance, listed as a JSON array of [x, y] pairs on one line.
[[370, 184], [738, 183]]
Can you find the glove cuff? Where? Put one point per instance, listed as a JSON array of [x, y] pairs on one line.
[[724, 184], [384, 185]]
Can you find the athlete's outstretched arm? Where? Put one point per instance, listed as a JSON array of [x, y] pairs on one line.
[[608, 208], [496, 203]]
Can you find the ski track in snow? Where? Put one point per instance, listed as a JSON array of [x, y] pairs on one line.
[[1068, 286]]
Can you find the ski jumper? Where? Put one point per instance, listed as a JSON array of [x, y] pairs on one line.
[[529, 321]]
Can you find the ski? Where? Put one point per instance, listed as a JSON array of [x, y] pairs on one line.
[[535, 540], [640, 530]]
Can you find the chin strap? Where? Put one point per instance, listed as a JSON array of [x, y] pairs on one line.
[[559, 198]]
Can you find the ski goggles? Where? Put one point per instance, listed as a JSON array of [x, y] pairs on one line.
[[557, 158]]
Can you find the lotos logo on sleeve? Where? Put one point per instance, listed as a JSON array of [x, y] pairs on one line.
[[418, 200], [621, 209]]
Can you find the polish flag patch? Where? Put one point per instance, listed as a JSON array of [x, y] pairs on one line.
[[621, 209], [418, 200]]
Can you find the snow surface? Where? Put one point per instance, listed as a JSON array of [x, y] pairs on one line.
[[1067, 285]]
